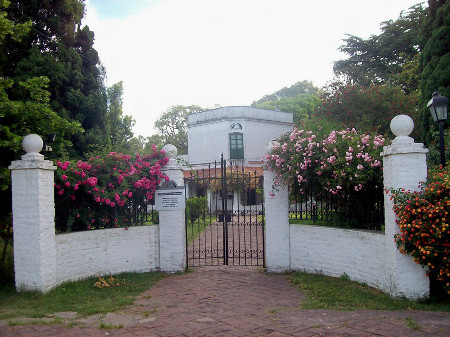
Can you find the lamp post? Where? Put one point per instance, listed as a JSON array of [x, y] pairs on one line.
[[438, 108]]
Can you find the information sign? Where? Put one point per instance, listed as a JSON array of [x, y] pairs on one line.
[[170, 199]]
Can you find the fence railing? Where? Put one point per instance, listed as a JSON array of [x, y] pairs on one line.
[[92, 215], [363, 209]]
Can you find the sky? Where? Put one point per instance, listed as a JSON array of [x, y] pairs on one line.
[[223, 52]]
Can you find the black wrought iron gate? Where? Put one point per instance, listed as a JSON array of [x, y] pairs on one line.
[[224, 215]]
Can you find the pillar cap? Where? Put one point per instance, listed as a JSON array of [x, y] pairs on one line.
[[32, 159], [272, 144], [402, 125], [32, 143], [170, 150]]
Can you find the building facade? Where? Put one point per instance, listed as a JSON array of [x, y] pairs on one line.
[[240, 133]]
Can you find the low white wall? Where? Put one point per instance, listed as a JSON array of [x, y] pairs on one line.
[[108, 251], [334, 251]]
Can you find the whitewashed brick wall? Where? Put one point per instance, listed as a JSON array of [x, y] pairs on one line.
[[335, 251], [108, 251], [364, 256], [43, 260]]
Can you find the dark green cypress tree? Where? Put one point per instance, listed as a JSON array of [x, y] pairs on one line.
[[59, 49], [435, 61]]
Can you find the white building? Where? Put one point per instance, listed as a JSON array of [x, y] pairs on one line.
[[241, 134]]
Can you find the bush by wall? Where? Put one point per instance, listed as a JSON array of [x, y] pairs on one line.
[[343, 164], [423, 219], [106, 191], [196, 207]]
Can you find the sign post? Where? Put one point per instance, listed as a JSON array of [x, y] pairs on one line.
[[170, 201]]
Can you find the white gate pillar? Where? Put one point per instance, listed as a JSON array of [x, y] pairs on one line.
[[276, 207], [404, 166], [33, 208], [172, 229]]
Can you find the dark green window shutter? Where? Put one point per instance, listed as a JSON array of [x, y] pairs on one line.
[[236, 146]]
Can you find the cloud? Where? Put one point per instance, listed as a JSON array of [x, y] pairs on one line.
[[227, 52]]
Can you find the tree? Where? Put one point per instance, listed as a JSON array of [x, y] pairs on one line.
[[135, 145], [303, 87], [157, 140], [31, 113], [368, 109], [118, 127], [58, 48], [301, 99], [172, 128], [376, 59], [435, 60]]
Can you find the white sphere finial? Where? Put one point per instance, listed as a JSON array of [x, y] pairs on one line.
[[32, 143], [272, 144], [402, 125], [170, 150]]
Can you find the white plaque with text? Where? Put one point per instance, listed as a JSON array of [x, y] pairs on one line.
[[170, 199]]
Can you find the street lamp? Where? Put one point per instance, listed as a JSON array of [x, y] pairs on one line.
[[438, 108]]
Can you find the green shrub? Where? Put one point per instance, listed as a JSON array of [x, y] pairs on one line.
[[423, 219], [196, 207]]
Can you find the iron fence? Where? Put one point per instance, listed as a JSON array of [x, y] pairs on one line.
[[363, 209], [84, 213]]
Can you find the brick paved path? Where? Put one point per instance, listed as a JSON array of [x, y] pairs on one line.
[[236, 301]]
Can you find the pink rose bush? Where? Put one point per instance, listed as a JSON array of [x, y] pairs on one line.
[[106, 191], [343, 164]]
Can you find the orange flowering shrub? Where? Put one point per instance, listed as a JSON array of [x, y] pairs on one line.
[[423, 219]]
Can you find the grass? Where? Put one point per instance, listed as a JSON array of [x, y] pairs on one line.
[[410, 323], [6, 262], [150, 223], [110, 326], [195, 229], [81, 297], [311, 222], [294, 220], [324, 292]]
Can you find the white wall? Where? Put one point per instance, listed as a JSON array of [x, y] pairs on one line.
[[334, 251], [108, 251]]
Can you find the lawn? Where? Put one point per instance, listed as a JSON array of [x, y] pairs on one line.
[[325, 292], [83, 297], [193, 230]]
